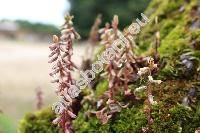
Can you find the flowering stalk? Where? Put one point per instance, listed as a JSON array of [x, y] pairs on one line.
[[109, 35], [93, 40], [39, 97], [111, 67], [126, 73], [157, 42], [123, 62], [60, 58], [94, 33], [102, 114], [117, 75], [147, 72]]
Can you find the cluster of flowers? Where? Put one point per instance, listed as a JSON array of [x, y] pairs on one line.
[[108, 36], [115, 49], [94, 35], [60, 58], [120, 65], [119, 70]]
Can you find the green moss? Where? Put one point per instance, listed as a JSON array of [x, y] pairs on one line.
[[166, 120], [129, 120], [174, 69], [167, 27], [174, 42], [176, 119], [100, 50], [39, 122], [171, 22], [89, 125], [195, 35], [101, 88], [162, 121]]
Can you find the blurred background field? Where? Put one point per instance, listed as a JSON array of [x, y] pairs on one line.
[[23, 68]]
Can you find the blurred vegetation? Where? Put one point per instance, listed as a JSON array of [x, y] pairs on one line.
[[40, 28], [39, 122], [6, 125], [87, 10]]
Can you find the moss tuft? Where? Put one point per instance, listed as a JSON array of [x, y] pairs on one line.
[[39, 122], [101, 88]]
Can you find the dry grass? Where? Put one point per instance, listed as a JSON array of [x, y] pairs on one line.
[[23, 67]]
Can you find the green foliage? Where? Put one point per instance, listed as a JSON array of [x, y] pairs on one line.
[[195, 35], [87, 10], [162, 121], [174, 42], [174, 34], [101, 88], [37, 27], [129, 120], [167, 27], [179, 118], [99, 51], [171, 24], [162, 8], [6, 125], [174, 69], [39, 122], [89, 125], [168, 115]]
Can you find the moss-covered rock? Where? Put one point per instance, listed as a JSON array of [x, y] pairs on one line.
[[174, 17], [83, 124], [129, 120], [169, 115], [179, 60], [178, 118], [39, 122]]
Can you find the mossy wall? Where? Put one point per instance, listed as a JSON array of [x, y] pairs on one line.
[[170, 116]]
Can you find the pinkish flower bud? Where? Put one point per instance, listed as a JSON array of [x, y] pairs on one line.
[[72, 115]]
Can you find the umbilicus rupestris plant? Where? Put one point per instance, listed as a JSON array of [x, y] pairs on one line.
[[110, 68], [39, 98], [129, 67], [92, 42], [109, 35], [103, 115], [146, 72], [94, 33], [60, 58]]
